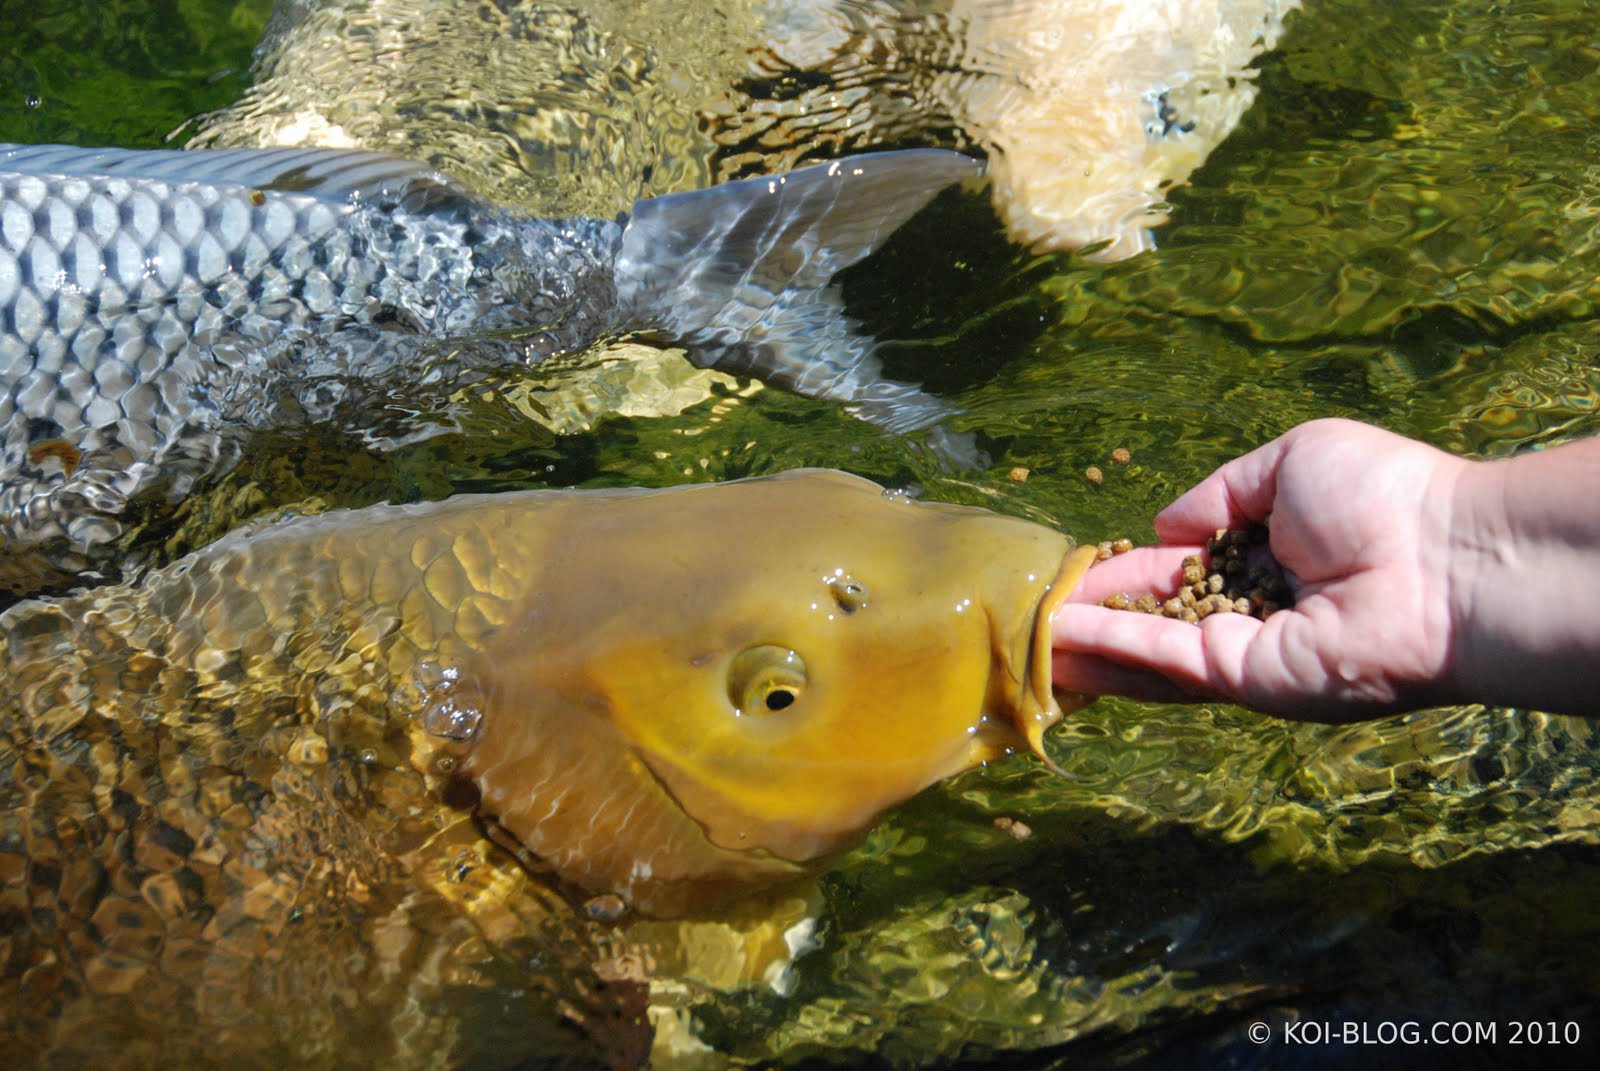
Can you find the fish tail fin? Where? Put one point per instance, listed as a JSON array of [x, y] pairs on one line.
[[739, 274]]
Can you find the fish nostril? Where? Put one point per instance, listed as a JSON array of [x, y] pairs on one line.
[[849, 594]]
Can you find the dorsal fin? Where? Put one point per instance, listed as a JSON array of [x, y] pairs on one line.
[[333, 175]]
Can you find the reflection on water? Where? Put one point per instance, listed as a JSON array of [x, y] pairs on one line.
[[1403, 229], [1089, 114], [558, 108]]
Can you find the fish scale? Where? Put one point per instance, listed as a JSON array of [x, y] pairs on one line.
[[157, 307], [269, 806], [115, 283], [201, 291]]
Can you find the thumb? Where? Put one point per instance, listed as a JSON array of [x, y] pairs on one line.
[[1240, 492]]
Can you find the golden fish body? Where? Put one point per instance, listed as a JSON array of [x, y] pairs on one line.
[[245, 802]]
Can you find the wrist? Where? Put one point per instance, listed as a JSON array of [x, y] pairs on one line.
[[1480, 550], [1524, 568], [1455, 517]]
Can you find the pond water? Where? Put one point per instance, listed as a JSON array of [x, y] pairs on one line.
[[1405, 229]]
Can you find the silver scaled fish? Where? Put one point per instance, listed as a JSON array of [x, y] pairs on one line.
[[156, 307]]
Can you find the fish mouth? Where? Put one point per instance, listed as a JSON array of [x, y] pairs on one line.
[[1040, 707]]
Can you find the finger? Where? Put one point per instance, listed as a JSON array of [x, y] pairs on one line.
[[1171, 648], [1089, 675], [1141, 570], [1238, 493]]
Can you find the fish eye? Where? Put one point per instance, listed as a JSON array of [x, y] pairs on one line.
[[766, 679]]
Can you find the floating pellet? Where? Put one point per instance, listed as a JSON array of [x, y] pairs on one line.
[[1015, 827]]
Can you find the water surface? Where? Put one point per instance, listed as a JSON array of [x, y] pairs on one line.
[[1405, 230]]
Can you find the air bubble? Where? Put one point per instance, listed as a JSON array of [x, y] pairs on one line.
[[450, 719], [445, 707], [406, 699], [431, 676]]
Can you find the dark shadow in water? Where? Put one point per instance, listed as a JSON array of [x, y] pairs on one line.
[[1505, 938], [949, 298]]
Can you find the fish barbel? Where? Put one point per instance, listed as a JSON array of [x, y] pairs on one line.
[[156, 307], [273, 753]]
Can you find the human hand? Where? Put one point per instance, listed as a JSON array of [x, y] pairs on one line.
[[1360, 520]]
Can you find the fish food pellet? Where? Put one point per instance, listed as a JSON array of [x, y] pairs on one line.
[[1110, 548], [1237, 575], [1093, 474], [1018, 829], [1121, 455]]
